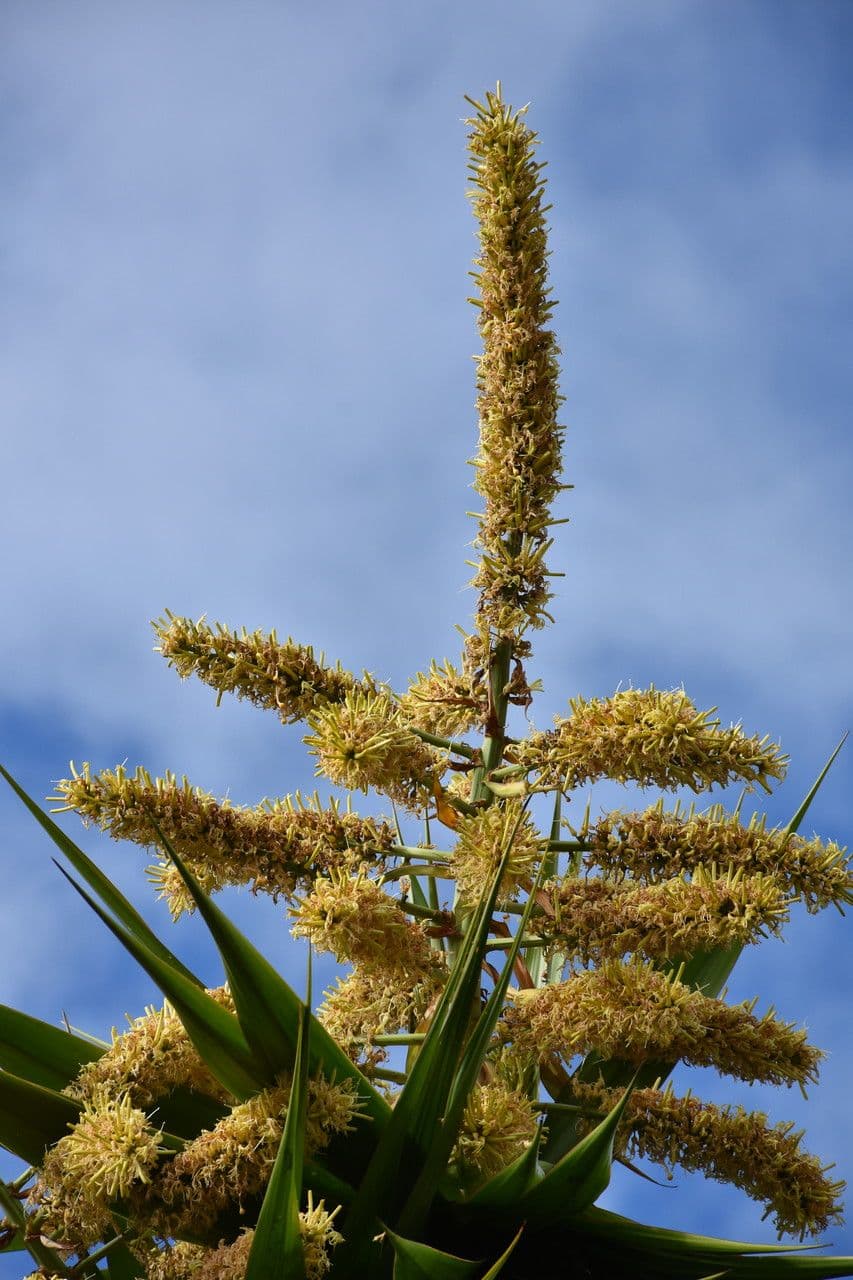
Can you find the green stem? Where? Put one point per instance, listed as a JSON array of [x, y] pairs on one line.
[[40, 1253], [495, 739], [398, 873], [81, 1267], [446, 744], [504, 944], [569, 846], [412, 851], [396, 1077], [416, 1037], [425, 913]]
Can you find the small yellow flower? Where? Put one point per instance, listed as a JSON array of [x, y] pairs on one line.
[[363, 742], [483, 840], [650, 736]]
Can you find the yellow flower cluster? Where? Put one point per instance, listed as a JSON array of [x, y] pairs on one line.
[[728, 1144], [274, 847], [519, 459], [367, 1003], [443, 701], [285, 678], [636, 1014], [598, 919], [483, 840], [110, 1150], [228, 1261], [234, 1159], [498, 1124], [655, 844], [352, 917], [363, 742], [651, 736], [147, 1062]]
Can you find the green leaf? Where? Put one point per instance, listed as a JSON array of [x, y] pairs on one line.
[[214, 1032], [122, 1265], [579, 1178], [657, 1253], [471, 1058], [41, 1053], [506, 1188], [103, 887], [794, 825], [418, 1111], [32, 1117], [269, 1010], [534, 957], [497, 1267], [416, 1261], [277, 1252]]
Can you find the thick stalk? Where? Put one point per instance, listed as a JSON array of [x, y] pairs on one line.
[[495, 739]]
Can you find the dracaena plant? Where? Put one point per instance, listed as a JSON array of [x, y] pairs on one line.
[[517, 994]]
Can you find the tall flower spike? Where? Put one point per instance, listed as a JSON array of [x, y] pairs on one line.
[[519, 459]]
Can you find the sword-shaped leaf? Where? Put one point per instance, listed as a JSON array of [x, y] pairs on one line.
[[471, 1058], [214, 1032], [269, 1010], [416, 1261], [41, 1053], [506, 1189], [420, 1106], [101, 884], [657, 1253], [277, 1252], [576, 1181], [32, 1117]]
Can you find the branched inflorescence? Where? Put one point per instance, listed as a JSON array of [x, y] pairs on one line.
[[620, 939]]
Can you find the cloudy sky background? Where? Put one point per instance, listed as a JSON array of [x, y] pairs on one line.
[[236, 379]]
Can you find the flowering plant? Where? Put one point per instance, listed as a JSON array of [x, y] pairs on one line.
[[455, 1106]]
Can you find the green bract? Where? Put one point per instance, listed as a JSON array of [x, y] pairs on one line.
[[454, 1107]]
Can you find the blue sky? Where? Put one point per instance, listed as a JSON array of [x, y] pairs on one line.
[[235, 367]]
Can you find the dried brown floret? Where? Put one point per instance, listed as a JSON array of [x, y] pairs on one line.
[[655, 844], [651, 736]]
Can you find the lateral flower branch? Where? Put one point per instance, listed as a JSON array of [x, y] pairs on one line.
[[514, 997]]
